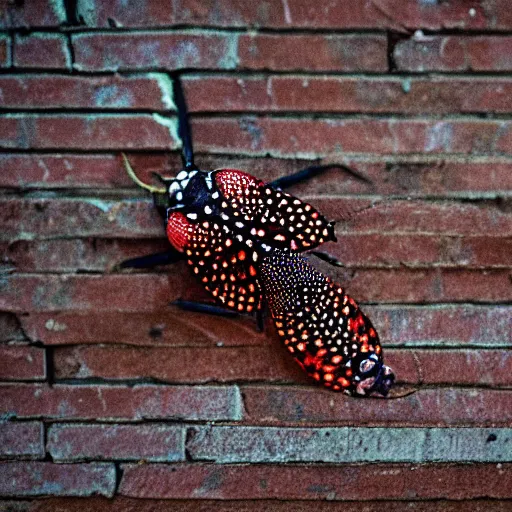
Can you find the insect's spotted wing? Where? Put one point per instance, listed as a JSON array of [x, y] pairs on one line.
[[225, 265], [323, 327], [276, 218]]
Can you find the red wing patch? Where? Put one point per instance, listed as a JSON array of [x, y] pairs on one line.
[[226, 266], [320, 325], [275, 217]]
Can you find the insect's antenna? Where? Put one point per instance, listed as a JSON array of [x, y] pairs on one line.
[[133, 176], [184, 132]]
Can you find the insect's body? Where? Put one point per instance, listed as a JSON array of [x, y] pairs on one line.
[[243, 239]]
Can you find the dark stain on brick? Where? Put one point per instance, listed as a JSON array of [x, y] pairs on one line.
[[491, 438]]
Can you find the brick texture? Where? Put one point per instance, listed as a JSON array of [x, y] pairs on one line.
[[112, 397]]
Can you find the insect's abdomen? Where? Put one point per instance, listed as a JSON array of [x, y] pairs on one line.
[[320, 325]]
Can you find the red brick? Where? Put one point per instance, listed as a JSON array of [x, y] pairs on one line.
[[238, 444], [5, 51], [320, 137], [317, 482], [27, 218], [103, 51], [21, 440], [78, 171], [22, 363], [380, 14], [439, 326], [116, 131], [178, 365], [135, 505], [348, 94], [427, 407], [27, 92], [36, 13], [443, 326], [454, 53], [169, 327], [45, 478], [121, 402], [10, 328], [313, 52], [41, 50], [471, 177], [154, 442]]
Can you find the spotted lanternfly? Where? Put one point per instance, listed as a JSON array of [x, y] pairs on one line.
[[242, 239]]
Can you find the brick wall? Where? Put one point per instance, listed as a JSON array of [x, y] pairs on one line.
[[110, 399]]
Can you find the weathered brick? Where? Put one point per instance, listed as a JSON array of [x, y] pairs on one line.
[[32, 218], [77, 171], [180, 365], [45, 478], [36, 13], [317, 482], [151, 50], [5, 51], [21, 440], [122, 504], [30, 91], [41, 50], [154, 442], [312, 138], [410, 326], [312, 52], [271, 363], [94, 131], [443, 326], [169, 327], [121, 402], [22, 363], [381, 14], [411, 95], [10, 328], [435, 406], [344, 445], [467, 177], [454, 53], [153, 292]]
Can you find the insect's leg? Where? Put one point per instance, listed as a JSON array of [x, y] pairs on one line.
[[329, 258], [201, 307], [152, 260], [310, 172]]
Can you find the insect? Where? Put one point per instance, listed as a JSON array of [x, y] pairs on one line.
[[242, 238]]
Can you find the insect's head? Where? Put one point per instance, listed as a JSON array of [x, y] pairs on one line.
[[371, 377]]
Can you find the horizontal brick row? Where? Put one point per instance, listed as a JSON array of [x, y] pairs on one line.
[[111, 92], [18, 362], [344, 445], [355, 250], [454, 53], [409, 326], [22, 440], [122, 504], [37, 13], [44, 478], [110, 51], [263, 404], [317, 482], [275, 405], [213, 93], [153, 292], [380, 14], [121, 402], [80, 217], [271, 363], [430, 176], [259, 136], [152, 442]]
